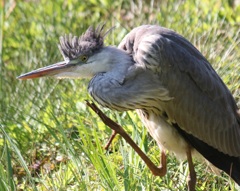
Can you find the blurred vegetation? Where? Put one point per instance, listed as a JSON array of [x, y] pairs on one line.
[[49, 139]]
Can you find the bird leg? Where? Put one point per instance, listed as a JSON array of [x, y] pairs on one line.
[[192, 174], [163, 165], [114, 133], [157, 171]]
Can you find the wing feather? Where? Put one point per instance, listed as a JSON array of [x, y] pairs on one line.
[[202, 105]]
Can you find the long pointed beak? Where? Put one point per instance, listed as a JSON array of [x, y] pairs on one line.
[[47, 71]]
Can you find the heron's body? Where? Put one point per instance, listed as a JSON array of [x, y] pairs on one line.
[[177, 94], [165, 134]]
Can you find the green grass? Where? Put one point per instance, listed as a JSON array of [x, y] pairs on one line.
[[50, 140]]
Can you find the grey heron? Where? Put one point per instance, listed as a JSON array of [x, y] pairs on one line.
[[179, 97]]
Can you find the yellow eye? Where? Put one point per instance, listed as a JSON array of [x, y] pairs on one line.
[[83, 58]]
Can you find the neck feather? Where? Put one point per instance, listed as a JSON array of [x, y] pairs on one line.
[[120, 63]]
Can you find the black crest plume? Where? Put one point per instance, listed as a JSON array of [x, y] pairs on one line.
[[92, 40]]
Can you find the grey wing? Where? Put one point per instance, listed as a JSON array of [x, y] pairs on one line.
[[202, 105]]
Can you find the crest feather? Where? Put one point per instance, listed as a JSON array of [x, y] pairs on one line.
[[92, 40]]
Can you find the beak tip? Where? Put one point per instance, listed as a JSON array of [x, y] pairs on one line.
[[21, 77], [45, 71]]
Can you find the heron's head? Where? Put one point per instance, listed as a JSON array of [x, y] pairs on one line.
[[84, 56]]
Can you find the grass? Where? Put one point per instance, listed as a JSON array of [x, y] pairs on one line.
[[50, 140]]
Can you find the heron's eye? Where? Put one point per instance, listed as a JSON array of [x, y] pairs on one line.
[[83, 58]]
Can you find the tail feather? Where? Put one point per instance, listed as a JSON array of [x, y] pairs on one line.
[[229, 164]]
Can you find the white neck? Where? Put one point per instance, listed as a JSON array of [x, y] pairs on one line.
[[120, 63]]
